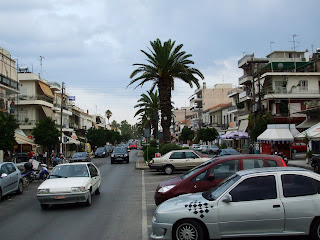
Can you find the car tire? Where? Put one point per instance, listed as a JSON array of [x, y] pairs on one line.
[[188, 229], [315, 229], [20, 187], [44, 206], [97, 192], [168, 169], [89, 200], [25, 182], [112, 162], [127, 161]]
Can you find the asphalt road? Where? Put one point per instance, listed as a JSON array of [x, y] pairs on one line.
[[123, 210]]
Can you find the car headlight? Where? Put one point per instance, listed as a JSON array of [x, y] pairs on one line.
[[166, 188], [155, 217], [43, 191], [104, 153], [112, 155], [126, 155], [78, 189]]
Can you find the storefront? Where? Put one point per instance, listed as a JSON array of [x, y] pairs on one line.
[[312, 135]]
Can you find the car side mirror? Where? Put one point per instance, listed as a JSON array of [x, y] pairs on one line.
[[227, 198], [3, 175], [211, 177]]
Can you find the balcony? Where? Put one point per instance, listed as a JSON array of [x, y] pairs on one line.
[[232, 109], [244, 96], [245, 79], [244, 60], [35, 97]]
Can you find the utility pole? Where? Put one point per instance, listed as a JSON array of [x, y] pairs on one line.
[[61, 132]]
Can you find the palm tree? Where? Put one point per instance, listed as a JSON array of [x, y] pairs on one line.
[[115, 126], [166, 63], [108, 114], [149, 106]]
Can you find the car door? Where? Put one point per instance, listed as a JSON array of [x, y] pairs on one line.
[[222, 170], [255, 208], [178, 160], [95, 177], [5, 181], [192, 159], [13, 175]]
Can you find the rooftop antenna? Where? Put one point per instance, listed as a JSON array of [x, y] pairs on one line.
[[294, 41], [271, 46], [41, 57]]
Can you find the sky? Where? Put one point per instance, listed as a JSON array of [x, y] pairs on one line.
[[91, 45]]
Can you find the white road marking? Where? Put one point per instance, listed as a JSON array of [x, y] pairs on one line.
[[144, 210]]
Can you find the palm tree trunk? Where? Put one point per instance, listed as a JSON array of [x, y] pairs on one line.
[[165, 107]]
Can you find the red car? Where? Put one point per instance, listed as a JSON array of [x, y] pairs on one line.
[[133, 145], [211, 173], [298, 147]]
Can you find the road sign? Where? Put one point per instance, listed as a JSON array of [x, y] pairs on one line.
[[72, 98]]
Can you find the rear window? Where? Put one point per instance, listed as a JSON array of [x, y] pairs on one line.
[[253, 163], [272, 163], [297, 185]]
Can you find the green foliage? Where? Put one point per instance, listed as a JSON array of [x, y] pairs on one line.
[[8, 125], [126, 131], [222, 146], [167, 147], [261, 124], [153, 143], [151, 153], [309, 154], [207, 134], [186, 134], [45, 132], [99, 137]]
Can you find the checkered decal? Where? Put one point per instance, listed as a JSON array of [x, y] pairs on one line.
[[199, 208]]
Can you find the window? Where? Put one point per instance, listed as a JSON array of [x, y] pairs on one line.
[[255, 188], [303, 85], [225, 169], [298, 185], [281, 86], [200, 177], [253, 163], [272, 163], [191, 155], [177, 155], [4, 169], [11, 168], [93, 170]]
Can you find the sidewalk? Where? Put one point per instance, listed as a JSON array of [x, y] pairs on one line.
[[140, 163]]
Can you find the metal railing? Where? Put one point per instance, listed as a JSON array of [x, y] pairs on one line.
[[36, 97]]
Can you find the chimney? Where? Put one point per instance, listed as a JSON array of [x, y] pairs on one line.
[[204, 85], [88, 111]]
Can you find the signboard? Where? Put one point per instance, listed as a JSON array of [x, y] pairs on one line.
[[72, 98], [157, 155]]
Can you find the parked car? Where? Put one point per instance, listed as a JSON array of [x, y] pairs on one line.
[[211, 173], [251, 203], [10, 179], [185, 145], [120, 154], [213, 149], [177, 159], [70, 183], [109, 149], [298, 147], [101, 152], [133, 145], [204, 148], [80, 157], [195, 147], [228, 151]]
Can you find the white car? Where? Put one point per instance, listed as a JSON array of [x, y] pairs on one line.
[[70, 183], [177, 159]]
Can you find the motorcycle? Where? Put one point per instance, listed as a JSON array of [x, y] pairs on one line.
[[26, 174], [315, 163], [41, 174]]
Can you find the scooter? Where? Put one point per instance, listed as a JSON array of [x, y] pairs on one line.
[[40, 174], [26, 175]]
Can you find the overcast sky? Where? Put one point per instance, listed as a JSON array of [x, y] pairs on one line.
[[91, 45]]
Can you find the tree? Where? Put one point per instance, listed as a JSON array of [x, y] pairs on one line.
[[186, 134], [207, 134], [126, 130], [166, 64], [108, 114], [149, 106], [262, 122], [114, 125], [96, 137], [8, 125], [46, 133]]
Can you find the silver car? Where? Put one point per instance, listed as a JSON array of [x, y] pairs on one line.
[[260, 202], [10, 179]]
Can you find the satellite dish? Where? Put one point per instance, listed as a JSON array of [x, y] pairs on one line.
[[280, 65]]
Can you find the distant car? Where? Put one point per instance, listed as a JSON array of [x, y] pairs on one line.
[[213, 149], [80, 157], [228, 151], [10, 179], [185, 145], [204, 148], [196, 147], [109, 148], [211, 173], [299, 147], [133, 145], [177, 160], [120, 154], [70, 183], [101, 152]]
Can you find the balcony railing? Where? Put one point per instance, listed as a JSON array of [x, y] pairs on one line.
[[36, 97], [232, 108], [27, 122]]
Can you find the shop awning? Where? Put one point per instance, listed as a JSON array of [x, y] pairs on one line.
[[278, 132], [48, 112], [22, 139], [70, 140], [308, 123], [243, 125], [46, 89], [313, 133]]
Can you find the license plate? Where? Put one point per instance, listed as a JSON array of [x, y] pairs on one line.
[[60, 197], [119, 159]]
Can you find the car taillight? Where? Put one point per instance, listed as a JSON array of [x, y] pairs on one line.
[[152, 161], [283, 163]]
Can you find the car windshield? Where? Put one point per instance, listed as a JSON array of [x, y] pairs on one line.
[[231, 151], [196, 169], [119, 150], [213, 146], [66, 171], [79, 154], [100, 149], [214, 193]]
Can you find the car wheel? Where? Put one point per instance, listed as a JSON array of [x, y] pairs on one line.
[[97, 192], [20, 187], [188, 230], [88, 202], [25, 182], [168, 169], [128, 161], [315, 229], [44, 206]]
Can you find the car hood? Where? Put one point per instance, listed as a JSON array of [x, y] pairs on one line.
[[186, 201], [172, 181], [64, 184]]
